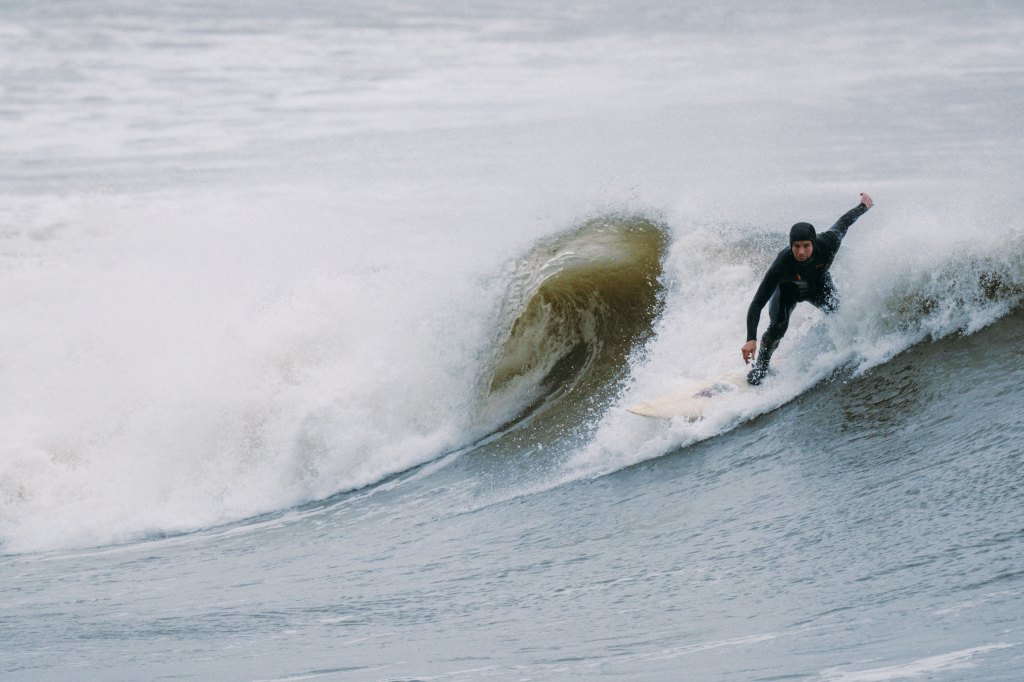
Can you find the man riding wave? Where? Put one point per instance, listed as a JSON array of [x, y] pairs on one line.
[[799, 273]]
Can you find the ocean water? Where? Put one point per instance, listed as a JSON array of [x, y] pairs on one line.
[[318, 322]]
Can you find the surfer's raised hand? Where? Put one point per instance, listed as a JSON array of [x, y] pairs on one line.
[[866, 200], [749, 347]]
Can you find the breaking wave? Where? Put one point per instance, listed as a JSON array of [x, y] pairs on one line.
[[579, 305]]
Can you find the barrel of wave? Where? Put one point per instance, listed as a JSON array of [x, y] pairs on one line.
[[579, 305]]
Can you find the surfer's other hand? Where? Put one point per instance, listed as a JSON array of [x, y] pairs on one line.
[[866, 200], [748, 350]]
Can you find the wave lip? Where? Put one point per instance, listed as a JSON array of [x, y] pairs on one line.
[[579, 305]]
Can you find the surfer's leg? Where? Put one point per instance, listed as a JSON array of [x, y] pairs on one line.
[[826, 299], [779, 309]]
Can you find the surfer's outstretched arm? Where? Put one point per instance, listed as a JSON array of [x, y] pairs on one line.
[[850, 217]]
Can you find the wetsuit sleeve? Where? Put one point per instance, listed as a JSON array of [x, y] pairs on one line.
[[847, 219], [772, 278]]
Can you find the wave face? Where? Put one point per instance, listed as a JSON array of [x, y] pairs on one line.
[[579, 305]]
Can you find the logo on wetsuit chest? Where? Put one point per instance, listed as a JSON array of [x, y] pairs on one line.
[[799, 278], [817, 266], [809, 271]]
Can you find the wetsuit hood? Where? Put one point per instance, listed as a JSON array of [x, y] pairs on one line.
[[801, 232]]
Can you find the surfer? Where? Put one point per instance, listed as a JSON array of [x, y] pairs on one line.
[[799, 273]]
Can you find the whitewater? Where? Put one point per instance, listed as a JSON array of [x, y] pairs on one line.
[[318, 322]]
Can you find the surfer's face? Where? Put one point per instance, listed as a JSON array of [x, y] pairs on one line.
[[802, 250]]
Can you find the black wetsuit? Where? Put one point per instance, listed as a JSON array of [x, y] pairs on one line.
[[789, 281]]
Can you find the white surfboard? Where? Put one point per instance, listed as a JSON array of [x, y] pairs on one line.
[[690, 401]]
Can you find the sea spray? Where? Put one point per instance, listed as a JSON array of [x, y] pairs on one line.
[[901, 281]]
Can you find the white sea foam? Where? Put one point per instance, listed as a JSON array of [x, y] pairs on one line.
[[188, 374], [923, 667]]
